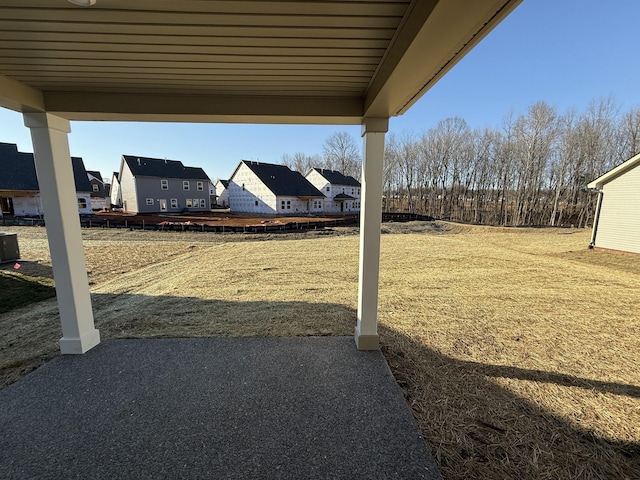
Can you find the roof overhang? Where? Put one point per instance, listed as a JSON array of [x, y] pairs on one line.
[[621, 169], [244, 61]]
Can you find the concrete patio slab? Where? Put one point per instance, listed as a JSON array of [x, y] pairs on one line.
[[252, 408]]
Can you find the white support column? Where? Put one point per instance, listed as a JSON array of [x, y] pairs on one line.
[[373, 131], [58, 195]]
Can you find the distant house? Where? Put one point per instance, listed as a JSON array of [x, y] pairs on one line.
[[154, 185], [99, 189], [19, 188], [222, 194], [272, 189], [616, 224], [212, 194], [342, 192], [115, 193]]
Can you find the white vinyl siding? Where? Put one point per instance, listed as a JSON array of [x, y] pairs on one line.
[[619, 223]]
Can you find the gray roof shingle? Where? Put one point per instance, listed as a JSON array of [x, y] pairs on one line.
[[283, 181], [334, 177], [162, 168], [18, 171]]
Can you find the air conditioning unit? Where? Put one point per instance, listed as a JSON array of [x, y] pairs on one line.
[[9, 247]]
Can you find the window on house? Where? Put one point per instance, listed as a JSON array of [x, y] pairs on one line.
[[95, 187], [174, 203], [328, 189], [256, 203], [200, 186], [185, 185], [243, 187], [189, 203], [282, 204], [164, 184], [149, 201], [288, 204], [203, 203], [82, 203]]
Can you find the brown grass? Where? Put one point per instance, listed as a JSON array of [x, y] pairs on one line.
[[516, 348]]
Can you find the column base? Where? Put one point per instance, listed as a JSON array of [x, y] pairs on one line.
[[367, 342], [75, 346]]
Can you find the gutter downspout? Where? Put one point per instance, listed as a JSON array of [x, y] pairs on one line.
[[596, 218]]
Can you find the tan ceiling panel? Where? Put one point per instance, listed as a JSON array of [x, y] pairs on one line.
[[374, 56]]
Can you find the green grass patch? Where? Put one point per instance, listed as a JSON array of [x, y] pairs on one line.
[[18, 290]]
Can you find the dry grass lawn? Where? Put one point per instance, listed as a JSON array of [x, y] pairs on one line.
[[517, 349]]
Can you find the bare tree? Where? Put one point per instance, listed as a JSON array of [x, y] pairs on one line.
[[533, 170], [302, 162], [340, 152], [629, 130]]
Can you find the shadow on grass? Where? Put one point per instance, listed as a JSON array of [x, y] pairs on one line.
[[19, 287], [478, 429], [474, 427]]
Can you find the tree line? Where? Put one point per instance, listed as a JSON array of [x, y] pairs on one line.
[[533, 170]]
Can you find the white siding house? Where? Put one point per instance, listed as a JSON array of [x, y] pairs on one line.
[[342, 192], [616, 223], [264, 188], [116, 193], [222, 194]]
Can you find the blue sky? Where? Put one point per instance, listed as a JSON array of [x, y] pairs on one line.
[[563, 52]]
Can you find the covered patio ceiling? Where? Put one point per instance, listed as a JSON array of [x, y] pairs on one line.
[[253, 61]]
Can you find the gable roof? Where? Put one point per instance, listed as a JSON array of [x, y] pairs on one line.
[[80, 175], [162, 168], [334, 177], [281, 180], [616, 172], [95, 174], [18, 171], [225, 183]]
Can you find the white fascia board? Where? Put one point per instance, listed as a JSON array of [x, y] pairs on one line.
[[615, 173]]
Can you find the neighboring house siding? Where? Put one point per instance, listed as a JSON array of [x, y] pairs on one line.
[[619, 222], [98, 203], [150, 188], [27, 205], [222, 193], [116, 192], [245, 189], [128, 189], [31, 205], [84, 203]]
